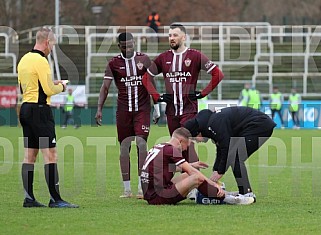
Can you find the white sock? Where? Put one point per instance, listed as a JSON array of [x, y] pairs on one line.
[[139, 184], [127, 185]]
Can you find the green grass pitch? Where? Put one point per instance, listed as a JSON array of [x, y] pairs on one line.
[[285, 175]]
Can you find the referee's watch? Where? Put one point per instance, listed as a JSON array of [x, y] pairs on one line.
[[63, 87]]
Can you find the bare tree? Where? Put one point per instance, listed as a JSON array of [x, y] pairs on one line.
[[22, 14], [37, 13], [75, 12], [9, 13], [130, 12], [282, 12]]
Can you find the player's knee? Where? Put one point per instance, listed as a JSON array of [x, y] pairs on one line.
[[142, 146], [200, 180], [197, 180], [141, 142], [124, 152], [30, 156], [53, 158], [30, 159], [125, 149], [50, 156]]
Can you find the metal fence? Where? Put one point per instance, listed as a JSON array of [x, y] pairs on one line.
[[259, 53]]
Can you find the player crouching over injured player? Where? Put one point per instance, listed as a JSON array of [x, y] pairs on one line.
[[237, 133], [163, 160]]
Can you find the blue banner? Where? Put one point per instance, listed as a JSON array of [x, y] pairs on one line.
[[309, 114]]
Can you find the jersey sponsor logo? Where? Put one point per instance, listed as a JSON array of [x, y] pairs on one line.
[[121, 67], [211, 201], [140, 65], [209, 64], [144, 177], [187, 62], [145, 181], [210, 129], [178, 76], [132, 81], [145, 128], [168, 62], [145, 174]]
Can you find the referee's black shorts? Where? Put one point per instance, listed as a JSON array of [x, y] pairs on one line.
[[38, 126]]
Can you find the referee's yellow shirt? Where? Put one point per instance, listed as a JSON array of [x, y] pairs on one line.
[[34, 78]]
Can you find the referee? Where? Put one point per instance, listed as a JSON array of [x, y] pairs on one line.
[[36, 86]]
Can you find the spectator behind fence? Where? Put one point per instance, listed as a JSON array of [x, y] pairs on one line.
[[294, 102], [254, 98], [68, 109], [276, 101], [153, 21], [244, 95]]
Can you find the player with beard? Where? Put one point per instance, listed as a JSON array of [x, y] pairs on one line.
[[181, 67], [133, 105]]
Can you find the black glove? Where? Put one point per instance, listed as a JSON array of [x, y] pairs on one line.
[[197, 95], [167, 98]]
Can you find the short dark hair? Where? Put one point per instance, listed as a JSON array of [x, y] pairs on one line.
[[193, 127], [180, 26], [125, 37]]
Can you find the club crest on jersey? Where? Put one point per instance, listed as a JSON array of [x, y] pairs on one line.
[[187, 62], [140, 65]]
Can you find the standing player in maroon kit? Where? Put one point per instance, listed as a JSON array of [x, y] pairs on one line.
[[133, 104], [180, 67]]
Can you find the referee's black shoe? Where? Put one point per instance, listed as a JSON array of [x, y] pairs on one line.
[[32, 203], [61, 204]]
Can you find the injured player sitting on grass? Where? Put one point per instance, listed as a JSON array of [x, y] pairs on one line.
[[161, 187]]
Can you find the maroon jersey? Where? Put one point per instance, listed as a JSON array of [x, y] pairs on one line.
[[127, 74], [180, 72], [159, 169]]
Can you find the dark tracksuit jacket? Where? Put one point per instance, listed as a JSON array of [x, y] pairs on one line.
[[225, 127]]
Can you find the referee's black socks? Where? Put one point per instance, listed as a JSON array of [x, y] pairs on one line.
[[52, 178], [27, 173]]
